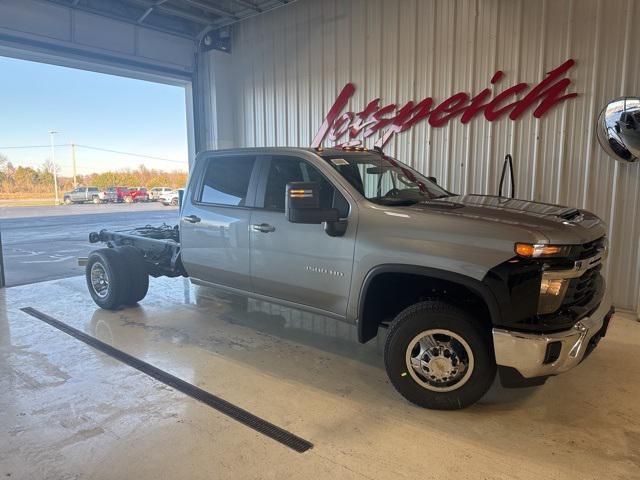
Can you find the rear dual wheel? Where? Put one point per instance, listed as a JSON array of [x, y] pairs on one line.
[[439, 357], [117, 277]]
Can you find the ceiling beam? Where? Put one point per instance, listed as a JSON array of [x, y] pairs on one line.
[[149, 10], [207, 7], [224, 23], [201, 19], [248, 4]]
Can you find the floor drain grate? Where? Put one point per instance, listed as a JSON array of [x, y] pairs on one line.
[[246, 418]]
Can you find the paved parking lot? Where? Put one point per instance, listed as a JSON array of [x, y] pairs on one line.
[[42, 243]]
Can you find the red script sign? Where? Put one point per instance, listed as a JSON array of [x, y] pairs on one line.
[[391, 119]]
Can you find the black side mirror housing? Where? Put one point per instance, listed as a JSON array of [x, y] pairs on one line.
[[433, 179], [303, 204]]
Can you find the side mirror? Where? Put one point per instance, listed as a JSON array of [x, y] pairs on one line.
[[433, 179], [303, 204]]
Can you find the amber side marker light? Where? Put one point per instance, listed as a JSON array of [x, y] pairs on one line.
[[528, 250], [300, 193]]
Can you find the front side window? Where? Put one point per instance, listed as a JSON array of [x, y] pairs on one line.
[[384, 180], [226, 180], [287, 169]]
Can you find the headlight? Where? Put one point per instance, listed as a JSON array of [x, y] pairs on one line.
[[552, 292], [529, 250]]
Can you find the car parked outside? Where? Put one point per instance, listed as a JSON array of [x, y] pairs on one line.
[[171, 198], [137, 194], [81, 195], [156, 192], [114, 194]]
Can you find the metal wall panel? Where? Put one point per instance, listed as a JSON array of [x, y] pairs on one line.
[[288, 65]]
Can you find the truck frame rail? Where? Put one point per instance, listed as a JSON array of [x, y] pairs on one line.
[[160, 247]]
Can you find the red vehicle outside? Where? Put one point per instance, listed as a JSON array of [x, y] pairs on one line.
[[137, 194], [114, 194]]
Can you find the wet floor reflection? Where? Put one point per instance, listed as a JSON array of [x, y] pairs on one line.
[[298, 326]]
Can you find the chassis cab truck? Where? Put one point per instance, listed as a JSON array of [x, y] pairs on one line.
[[464, 286]]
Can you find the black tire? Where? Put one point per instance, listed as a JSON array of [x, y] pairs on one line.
[[436, 315], [138, 274], [174, 202], [67, 201], [114, 266], [95, 199]]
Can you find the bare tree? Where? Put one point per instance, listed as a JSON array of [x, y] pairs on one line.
[[47, 166]]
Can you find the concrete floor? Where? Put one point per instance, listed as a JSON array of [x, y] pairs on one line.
[[68, 411]]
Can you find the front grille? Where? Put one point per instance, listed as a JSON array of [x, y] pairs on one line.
[[587, 250], [581, 290]]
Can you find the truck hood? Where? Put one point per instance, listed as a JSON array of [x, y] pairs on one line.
[[557, 223]]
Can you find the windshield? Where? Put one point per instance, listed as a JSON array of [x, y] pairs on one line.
[[384, 180]]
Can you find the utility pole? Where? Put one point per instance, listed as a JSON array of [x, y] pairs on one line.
[[73, 163], [53, 162]]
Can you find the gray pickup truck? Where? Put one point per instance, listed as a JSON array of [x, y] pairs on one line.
[[81, 195], [465, 286]]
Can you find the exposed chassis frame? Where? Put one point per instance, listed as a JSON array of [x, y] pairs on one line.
[[162, 256]]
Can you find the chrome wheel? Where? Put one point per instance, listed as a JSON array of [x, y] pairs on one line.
[[99, 280], [439, 360]]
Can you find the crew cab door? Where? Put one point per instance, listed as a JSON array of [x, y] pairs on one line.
[[215, 218], [297, 262]]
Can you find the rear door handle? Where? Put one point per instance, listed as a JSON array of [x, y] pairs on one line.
[[263, 227], [191, 219]]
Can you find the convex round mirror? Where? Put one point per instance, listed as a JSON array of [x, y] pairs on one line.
[[618, 129]]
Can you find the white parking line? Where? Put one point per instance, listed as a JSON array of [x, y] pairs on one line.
[[54, 260]]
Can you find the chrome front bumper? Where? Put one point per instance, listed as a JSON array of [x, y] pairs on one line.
[[526, 352]]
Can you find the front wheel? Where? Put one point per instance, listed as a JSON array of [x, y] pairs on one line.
[[96, 200], [128, 200], [67, 201], [439, 357], [174, 202]]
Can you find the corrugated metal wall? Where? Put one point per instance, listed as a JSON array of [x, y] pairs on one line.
[[288, 66]]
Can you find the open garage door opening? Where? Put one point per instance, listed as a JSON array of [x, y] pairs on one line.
[[81, 151]]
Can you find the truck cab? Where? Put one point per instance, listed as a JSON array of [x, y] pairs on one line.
[[465, 286]]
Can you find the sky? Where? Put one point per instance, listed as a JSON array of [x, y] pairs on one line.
[[93, 109]]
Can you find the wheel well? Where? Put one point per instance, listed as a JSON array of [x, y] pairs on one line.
[[387, 294]]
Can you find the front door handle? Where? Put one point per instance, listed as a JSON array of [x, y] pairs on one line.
[[191, 219], [263, 227]]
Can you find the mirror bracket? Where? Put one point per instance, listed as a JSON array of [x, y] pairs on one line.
[[336, 229]]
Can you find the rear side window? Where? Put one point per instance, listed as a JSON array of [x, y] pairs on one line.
[[226, 180]]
